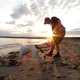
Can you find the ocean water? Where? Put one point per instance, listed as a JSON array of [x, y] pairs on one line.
[[22, 41], [18, 44]]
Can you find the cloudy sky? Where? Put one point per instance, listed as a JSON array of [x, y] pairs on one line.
[[20, 16]]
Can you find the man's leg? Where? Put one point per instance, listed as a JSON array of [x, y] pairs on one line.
[[57, 57]]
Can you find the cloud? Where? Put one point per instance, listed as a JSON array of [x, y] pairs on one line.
[[35, 9], [41, 3], [13, 11], [19, 11], [52, 3], [76, 29], [4, 33], [10, 22]]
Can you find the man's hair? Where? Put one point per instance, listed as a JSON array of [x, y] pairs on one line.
[[47, 20], [55, 20]]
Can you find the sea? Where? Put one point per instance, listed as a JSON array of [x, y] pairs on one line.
[[17, 44]]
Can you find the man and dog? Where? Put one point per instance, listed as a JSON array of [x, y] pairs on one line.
[[58, 35], [50, 57]]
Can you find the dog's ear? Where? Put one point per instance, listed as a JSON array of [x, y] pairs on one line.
[[47, 20]]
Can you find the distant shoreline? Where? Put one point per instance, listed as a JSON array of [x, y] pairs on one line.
[[30, 37], [23, 37]]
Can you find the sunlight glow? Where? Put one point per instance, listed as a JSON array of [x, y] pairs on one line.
[[30, 14]]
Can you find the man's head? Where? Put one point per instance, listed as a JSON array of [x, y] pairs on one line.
[[55, 20], [47, 20]]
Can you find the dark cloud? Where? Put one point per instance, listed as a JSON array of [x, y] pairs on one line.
[[69, 3], [35, 8], [41, 2], [75, 3], [52, 3], [19, 11], [4, 33], [11, 22], [64, 3]]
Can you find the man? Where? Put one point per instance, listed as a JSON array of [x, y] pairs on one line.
[[47, 56], [59, 33]]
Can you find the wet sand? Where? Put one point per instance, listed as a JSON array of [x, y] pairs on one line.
[[32, 70]]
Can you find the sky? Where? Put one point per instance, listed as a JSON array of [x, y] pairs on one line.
[[21, 16]]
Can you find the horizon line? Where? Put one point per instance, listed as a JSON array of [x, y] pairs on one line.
[[35, 37]]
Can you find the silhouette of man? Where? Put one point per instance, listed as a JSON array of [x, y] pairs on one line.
[[59, 33]]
